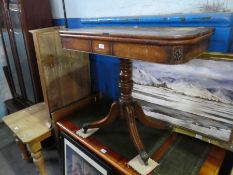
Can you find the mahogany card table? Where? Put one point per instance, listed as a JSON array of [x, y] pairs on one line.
[[164, 45]]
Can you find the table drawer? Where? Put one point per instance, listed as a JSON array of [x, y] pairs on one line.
[[141, 52], [103, 47], [76, 44]]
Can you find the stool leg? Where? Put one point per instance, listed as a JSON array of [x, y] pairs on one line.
[[23, 149], [38, 158]]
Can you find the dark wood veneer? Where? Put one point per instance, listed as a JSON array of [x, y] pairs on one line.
[[144, 47]]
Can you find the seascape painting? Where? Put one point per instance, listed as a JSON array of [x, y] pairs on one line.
[[197, 95]]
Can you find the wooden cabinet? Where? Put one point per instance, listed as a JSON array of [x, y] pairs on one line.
[[17, 18]]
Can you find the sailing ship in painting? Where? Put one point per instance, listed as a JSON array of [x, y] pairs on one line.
[[197, 95]]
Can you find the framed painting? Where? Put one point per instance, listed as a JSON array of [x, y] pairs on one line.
[[196, 96], [80, 161]]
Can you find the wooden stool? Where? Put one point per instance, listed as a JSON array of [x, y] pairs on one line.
[[31, 126]]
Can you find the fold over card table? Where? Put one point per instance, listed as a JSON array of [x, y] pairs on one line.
[[165, 45]]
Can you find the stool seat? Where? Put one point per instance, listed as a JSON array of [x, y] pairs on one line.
[[31, 126]]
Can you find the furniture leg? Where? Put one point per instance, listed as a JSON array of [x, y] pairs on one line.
[[128, 109], [113, 114], [23, 148], [37, 156], [129, 113], [140, 115], [126, 87]]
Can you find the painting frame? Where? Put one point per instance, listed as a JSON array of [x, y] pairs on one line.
[[195, 128], [88, 160]]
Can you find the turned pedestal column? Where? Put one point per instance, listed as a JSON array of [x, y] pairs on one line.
[[129, 110]]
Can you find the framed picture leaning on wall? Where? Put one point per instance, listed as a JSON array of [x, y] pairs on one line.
[[196, 97], [78, 160]]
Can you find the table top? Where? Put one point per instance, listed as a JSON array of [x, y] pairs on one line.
[[170, 33], [30, 124], [165, 45]]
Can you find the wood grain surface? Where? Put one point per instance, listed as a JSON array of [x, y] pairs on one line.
[[168, 33], [30, 125], [166, 45], [64, 74]]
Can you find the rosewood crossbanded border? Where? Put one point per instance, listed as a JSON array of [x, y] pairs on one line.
[[165, 45]]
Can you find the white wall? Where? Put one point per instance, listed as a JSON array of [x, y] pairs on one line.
[[111, 8]]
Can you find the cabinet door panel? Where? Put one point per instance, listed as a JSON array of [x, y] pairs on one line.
[[6, 41], [14, 12]]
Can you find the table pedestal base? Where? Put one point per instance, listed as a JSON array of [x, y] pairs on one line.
[[128, 109]]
